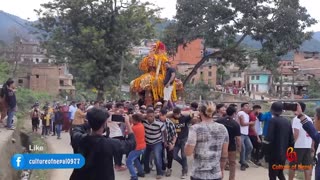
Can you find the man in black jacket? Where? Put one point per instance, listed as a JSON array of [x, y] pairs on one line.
[[11, 101], [277, 142], [97, 149]]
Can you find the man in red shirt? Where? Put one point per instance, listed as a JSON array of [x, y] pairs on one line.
[[134, 156], [253, 134]]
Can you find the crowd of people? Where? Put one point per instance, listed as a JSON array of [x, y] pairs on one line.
[[151, 137]]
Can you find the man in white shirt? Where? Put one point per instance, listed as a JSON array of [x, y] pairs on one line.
[[72, 110], [302, 146], [246, 145]]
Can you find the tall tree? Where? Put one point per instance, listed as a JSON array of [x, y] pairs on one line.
[[278, 25], [313, 89], [4, 71], [170, 38], [94, 35]]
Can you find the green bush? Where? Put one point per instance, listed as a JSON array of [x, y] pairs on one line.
[[26, 98]]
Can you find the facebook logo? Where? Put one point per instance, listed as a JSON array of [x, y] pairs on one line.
[[18, 161]]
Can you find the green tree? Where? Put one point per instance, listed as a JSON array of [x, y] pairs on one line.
[[279, 26], [313, 89], [170, 38], [4, 71], [194, 91], [93, 36]]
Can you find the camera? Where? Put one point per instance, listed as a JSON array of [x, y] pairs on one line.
[[290, 106]]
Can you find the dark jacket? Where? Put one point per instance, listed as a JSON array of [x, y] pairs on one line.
[[311, 130], [278, 140], [98, 152], [11, 99], [58, 118]]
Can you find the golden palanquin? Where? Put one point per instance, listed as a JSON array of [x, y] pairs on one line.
[[154, 70]]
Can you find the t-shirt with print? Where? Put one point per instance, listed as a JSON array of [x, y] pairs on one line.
[[252, 118], [244, 129], [303, 140], [208, 139], [182, 126], [233, 130]]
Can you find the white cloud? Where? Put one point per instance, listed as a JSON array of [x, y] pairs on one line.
[[24, 8], [313, 9]]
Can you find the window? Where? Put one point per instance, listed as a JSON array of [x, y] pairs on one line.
[[61, 83], [201, 73], [37, 60], [239, 74], [210, 67], [37, 76], [240, 83], [252, 77], [234, 83], [258, 78], [20, 81], [209, 73], [257, 88], [234, 74]]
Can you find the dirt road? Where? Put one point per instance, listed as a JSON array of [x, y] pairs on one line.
[[63, 146]]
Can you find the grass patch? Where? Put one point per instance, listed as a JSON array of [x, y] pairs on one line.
[[39, 174]]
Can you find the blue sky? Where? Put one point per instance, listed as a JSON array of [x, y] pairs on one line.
[[24, 8]]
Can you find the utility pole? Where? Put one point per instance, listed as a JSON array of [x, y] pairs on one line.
[[17, 55], [281, 82], [121, 71], [294, 70]]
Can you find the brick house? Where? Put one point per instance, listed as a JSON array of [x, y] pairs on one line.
[[190, 54], [236, 76], [187, 57], [36, 70], [308, 62], [47, 78]]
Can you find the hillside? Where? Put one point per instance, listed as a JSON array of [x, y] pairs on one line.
[[316, 36], [11, 25]]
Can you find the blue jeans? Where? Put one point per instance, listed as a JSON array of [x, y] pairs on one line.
[[246, 149], [10, 117], [157, 149], [133, 158], [179, 146], [58, 129]]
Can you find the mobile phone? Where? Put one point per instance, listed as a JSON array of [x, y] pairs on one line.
[[290, 106], [117, 118]]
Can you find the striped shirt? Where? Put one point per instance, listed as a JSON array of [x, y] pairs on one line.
[[154, 131]]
